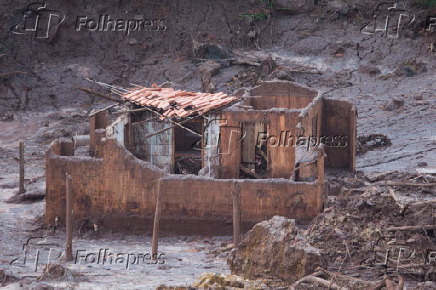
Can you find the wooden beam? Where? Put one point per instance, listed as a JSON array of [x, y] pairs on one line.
[[236, 214], [171, 127], [131, 111], [69, 220], [249, 172], [352, 138], [101, 95], [155, 238], [320, 179], [21, 149]]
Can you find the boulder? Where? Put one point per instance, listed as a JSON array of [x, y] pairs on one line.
[[274, 249]]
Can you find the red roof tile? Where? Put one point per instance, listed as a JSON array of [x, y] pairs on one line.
[[177, 103]]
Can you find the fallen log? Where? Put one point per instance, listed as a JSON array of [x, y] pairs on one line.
[[412, 228], [32, 195]]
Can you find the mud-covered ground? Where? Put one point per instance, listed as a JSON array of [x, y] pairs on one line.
[[319, 44]]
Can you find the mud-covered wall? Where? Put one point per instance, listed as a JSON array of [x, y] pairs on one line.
[[110, 190], [210, 202], [339, 125], [157, 149], [119, 191], [281, 157], [284, 101]]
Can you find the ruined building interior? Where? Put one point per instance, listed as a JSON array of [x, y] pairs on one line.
[[269, 144]]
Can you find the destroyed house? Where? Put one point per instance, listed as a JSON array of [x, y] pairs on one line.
[[195, 152]]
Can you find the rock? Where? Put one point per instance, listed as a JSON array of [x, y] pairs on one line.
[[274, 249], [133, 41], [42, 286], [422, 164], [211, 51], [208, 69], [369, 70], [393, 105], [8, 117], [426, 285], [6, 277], [221, 281]]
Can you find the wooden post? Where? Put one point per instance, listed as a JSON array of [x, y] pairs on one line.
[[352, 138], [236, 215], [21, 149], [69, 220], [155, 238], [130, 132], [320, 179]]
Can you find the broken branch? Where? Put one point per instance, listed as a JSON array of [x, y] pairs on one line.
[[410, 184], [101, 95], [397, 200], [249, 172], [13, 73]]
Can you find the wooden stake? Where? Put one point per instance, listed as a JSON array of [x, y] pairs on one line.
[[236, 215], [155, 238], [352, 139], [21, 149], [69, 220]]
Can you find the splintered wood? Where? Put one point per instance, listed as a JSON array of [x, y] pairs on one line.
[[177, 103]]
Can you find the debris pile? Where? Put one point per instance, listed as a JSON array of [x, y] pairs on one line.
[[369, 142], [379, 228]]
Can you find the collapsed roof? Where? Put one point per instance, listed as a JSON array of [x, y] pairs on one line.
[[177, 103]]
